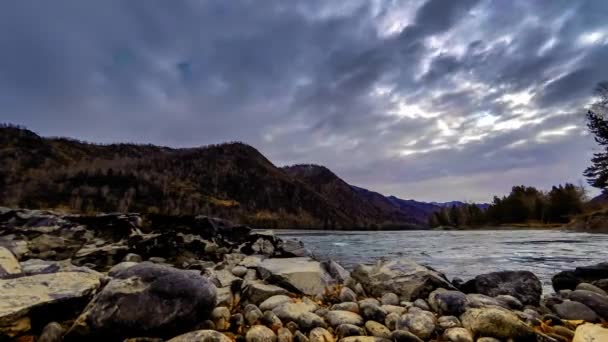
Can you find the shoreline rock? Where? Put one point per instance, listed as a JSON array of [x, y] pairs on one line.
[[195, 278]]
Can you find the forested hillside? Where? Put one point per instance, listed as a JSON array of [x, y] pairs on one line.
[[231, 180]]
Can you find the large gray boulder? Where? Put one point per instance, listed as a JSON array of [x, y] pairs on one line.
[[147, 300], [21, 297], [302, 275], [572, 310], [594, 301], [523, 285], [403, 277], [568, 280]]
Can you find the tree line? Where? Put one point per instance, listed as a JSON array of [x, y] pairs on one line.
[[524, 204]]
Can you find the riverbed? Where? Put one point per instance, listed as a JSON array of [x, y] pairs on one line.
[[463, 254]]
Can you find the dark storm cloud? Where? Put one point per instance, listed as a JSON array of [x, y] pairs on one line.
[[428, 99]]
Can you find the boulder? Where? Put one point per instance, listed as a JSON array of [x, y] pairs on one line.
[[572, 310], [592, 288], [336, 271], [568, 280], [224, 297], [394, 308], [590, 333], [19, 248], [377, 329], [300, 313], [221, 318], [302, 275], [458, 335], [52, 332], [271, 320], [260, 333], [422, 304], [147, 300], [347, 295], [275, 301], [347, 306], [391, 320], [239, 271], [224, 278], [201, 336], [338, 317], [476, 300], [284, 335], [419, 322], [298, 336], [252, 314], [252, 261], [32, 299], [523, 285], [563, 331], [346, 330], [403, 277], [294, 248], [509, 302], [447, 322], [256, 292], [37, 266], [320, 335], [390, 299], [446, 302], [404, 336], [372, 312], [263, 246], [102, 257], [8, 263], [594, 301], [132, 257], [496, 322]]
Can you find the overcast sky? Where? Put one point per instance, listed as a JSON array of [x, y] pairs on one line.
[[425, 99]]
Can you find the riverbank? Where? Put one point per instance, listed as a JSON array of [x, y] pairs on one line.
[[117, 277]]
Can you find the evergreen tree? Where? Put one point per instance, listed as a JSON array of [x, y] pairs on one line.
[[597, 174]]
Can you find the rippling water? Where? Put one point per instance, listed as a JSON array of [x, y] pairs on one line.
[[463, 254]]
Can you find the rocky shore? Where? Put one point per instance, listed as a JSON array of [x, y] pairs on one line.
[[126, 277]]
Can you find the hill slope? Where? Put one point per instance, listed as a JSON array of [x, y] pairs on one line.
[[366, 207], [231, 180]]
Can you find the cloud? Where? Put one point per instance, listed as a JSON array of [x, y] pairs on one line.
[[428, 99]]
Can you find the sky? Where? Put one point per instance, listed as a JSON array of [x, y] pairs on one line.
[[427, 99]]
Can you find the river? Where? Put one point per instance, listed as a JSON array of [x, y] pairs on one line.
[[463, 254]]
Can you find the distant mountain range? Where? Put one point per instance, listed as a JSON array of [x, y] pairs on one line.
[[231, 180]]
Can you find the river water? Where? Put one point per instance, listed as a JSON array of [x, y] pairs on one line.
[[463, 254]]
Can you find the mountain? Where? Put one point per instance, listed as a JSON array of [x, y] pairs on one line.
[[364, 206], [450, 204], [231, 180]]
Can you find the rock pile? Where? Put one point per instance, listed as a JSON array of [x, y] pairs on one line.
[[131, 278]]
